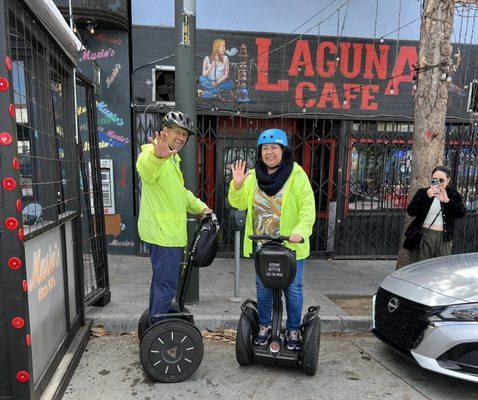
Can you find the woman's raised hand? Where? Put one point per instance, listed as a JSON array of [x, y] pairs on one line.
[[161, 146], [238, 173]]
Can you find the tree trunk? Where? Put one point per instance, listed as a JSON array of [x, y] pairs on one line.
[[431, 97]]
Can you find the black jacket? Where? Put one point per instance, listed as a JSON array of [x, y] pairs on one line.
[[421, 203]]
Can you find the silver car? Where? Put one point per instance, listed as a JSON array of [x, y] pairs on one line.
[[429, 312]]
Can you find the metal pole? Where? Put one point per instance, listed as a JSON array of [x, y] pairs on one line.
[[74, 77], [185, 98], [237, 258]]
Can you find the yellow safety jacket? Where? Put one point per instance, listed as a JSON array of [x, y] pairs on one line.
[[164, 200]]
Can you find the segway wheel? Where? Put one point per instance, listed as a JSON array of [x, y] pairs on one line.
[[143, 324], [243, 341], [171, 350], [310, 352]]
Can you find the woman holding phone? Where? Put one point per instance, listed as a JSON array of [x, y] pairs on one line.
[[435, 209]]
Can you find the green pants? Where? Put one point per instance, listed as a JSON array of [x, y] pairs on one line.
[[433, 246]]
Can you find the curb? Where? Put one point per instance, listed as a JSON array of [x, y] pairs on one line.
[[330, 324]]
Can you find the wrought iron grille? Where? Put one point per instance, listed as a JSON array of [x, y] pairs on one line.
[[44, 114], [359, 171], [49, 160], [95, 261]]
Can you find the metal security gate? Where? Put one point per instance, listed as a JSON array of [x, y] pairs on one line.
[[93, 246], [223, 140], [377, 165], [359, 172]]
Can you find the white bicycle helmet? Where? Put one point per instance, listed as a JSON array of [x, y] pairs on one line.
[[178, 118]]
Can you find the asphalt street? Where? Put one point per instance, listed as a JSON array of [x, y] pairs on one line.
[[350, 367]]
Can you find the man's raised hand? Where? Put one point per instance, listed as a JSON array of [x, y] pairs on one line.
[[161, 146]]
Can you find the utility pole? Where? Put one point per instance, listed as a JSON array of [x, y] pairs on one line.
[[431, 96], [185, 98]]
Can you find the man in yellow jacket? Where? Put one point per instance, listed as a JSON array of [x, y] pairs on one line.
[[165, 203]]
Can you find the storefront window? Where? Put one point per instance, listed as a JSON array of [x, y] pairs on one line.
[[379, 175]]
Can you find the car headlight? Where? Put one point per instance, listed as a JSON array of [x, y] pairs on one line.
[[461, 312]]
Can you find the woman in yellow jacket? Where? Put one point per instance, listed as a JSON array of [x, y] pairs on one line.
[[279, 200], [164, 206]]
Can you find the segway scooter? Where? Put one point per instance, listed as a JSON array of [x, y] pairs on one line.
[[275, 266], [172, 348]]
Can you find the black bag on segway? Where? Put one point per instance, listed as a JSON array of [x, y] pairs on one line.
[[275, 265], [206, 241]]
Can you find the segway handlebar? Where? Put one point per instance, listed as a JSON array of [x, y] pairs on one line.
[[274, 238]]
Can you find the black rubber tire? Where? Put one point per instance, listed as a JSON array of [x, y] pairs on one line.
[[171, 350], [143, 324], [243, 347], [310, 353]]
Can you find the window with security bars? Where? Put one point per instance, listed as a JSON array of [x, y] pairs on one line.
[[92, 227], [379, 167], [461, 156], [42, 79], [59, 172], [379, 173]]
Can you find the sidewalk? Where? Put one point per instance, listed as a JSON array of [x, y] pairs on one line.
[[323, 280]]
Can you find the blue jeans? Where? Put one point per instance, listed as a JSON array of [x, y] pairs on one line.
[[210, 90], [294, 300], [165, 262]]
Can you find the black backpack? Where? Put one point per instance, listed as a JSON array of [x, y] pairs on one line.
[[206, 241]]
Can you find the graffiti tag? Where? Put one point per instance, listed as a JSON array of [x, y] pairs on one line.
[[114, 73], [95, 55], [108, 39], [121, 243], [103, 108]]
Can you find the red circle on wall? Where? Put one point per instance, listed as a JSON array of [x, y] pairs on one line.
[[8, 63], [11, 110], [19, 205], [9, 183], [15, 164], [18, 323], [4, 85], [11, 223], [21, 235], [5, 139], [28, 340], [24, 285], [23, 376], [14, 263]]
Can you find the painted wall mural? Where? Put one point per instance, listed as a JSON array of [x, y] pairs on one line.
[[261, 72], [109, 49]]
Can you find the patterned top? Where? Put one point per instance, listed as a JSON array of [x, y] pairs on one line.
[[267, 212]]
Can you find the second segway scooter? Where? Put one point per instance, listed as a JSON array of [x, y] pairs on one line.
[[276, 267], [172, 348]]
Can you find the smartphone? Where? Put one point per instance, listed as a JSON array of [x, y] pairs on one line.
[[434, 184]]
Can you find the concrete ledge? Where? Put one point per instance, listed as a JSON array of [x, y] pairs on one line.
[[330, 324], [353, 324]]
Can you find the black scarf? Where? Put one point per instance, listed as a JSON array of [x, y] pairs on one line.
[[271, 184]]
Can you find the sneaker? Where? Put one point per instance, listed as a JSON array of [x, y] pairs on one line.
[[293, 340], [262, 338]]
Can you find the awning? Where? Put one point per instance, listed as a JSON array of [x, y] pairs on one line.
[[55, 23]]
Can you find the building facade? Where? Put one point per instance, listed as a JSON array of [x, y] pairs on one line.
[[347, 105]]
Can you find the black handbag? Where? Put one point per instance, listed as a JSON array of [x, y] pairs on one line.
[[414, 238]]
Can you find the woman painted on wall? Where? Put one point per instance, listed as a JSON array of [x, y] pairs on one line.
[[214, 79]]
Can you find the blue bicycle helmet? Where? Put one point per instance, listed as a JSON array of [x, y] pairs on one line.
[[271, 136]]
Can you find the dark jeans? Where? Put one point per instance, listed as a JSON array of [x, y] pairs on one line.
[[293, 299], [165, 262]]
